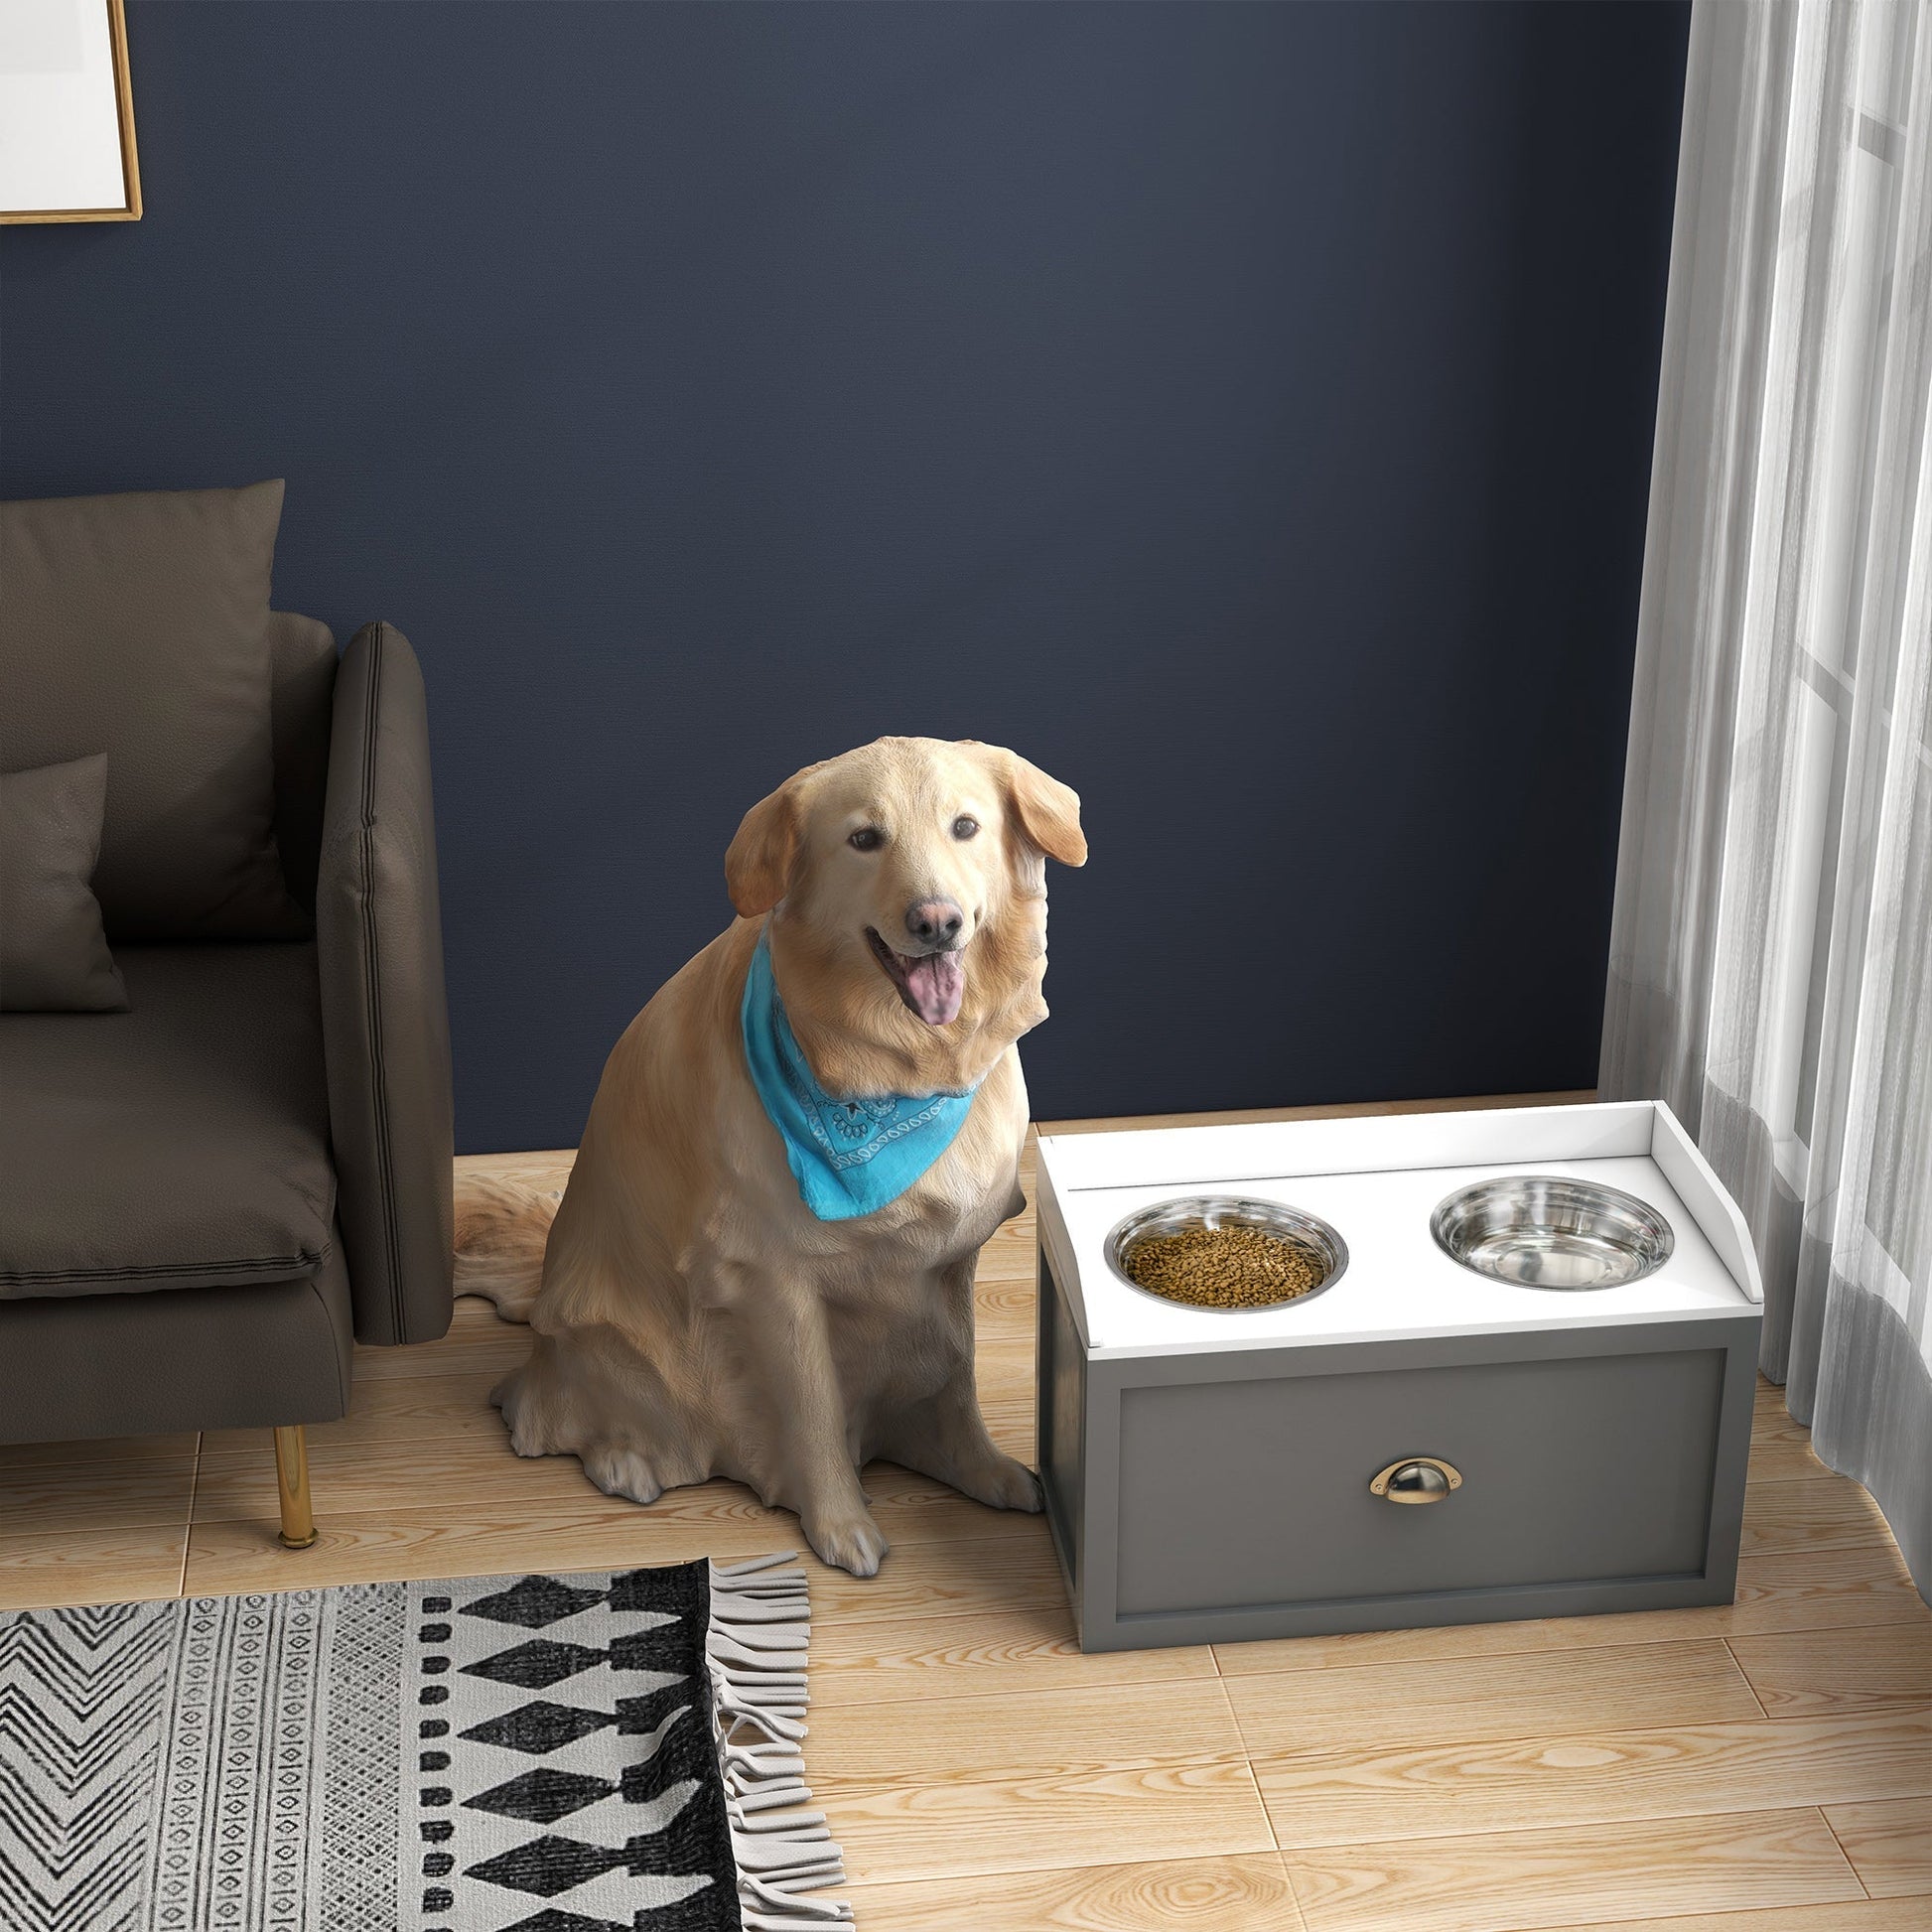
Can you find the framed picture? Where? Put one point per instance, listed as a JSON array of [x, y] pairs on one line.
[[67, 114]]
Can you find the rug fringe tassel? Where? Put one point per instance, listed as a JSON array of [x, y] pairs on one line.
[[757, 1646]]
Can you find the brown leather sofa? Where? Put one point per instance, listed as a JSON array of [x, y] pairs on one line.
[[206, 1198]]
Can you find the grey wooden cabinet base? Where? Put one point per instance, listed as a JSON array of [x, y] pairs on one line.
[[1209, 1478]]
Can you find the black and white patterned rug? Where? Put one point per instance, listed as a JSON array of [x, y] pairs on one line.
[[617, 1752]]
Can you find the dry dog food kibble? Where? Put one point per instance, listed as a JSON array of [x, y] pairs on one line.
[[1223, 1268]]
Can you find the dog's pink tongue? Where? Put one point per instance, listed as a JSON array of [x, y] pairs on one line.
[[934, 987]]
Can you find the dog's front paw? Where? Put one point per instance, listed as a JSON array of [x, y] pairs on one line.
[[1002, 1483], [847, 1541]]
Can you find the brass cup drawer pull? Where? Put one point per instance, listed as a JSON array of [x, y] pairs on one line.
[[1417, 1479]]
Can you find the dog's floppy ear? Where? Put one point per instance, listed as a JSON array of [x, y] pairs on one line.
[[758, 867], [1049, 811]]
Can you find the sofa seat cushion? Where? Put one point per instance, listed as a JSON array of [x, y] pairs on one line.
[[185, 1142]]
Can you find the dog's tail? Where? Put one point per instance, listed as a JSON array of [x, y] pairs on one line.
[[502, 1227]]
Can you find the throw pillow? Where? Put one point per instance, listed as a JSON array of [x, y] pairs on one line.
[[53, 955]]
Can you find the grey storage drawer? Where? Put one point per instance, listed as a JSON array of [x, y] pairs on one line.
[[1590, 1469], [1210, 1499]]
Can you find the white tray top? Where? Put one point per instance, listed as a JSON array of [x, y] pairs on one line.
[[1377, 1181]]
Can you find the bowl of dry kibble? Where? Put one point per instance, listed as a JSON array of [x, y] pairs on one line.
[[1219, 1251]]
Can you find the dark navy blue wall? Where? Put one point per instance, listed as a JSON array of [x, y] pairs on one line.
[[1244, 411]]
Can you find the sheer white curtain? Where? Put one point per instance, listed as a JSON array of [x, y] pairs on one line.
[[1771, 953]]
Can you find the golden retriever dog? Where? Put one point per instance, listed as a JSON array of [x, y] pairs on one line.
[[696, 1316]]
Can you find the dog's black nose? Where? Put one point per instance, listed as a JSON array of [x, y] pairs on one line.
[[934, 922]]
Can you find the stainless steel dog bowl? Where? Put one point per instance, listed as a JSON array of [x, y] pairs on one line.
[[1539, 1230], [1313, 1237]]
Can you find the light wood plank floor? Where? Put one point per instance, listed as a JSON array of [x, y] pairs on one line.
[[1762, 1768]]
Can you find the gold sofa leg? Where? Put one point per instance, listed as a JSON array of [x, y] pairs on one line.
[[292, 1481]]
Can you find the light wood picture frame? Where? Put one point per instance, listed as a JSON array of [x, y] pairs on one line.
[[67, 114]]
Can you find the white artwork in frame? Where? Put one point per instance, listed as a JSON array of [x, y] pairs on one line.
[[67, 114]]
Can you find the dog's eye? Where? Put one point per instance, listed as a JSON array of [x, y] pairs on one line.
[[964, 827], [867, 838]]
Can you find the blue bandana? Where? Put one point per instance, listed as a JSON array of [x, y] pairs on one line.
[[848, 1156]]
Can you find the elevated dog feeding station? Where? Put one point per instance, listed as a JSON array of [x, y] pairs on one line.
[[1521, 1386]]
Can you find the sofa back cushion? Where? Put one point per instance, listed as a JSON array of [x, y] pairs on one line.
[[304, 658], [137, 625]]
